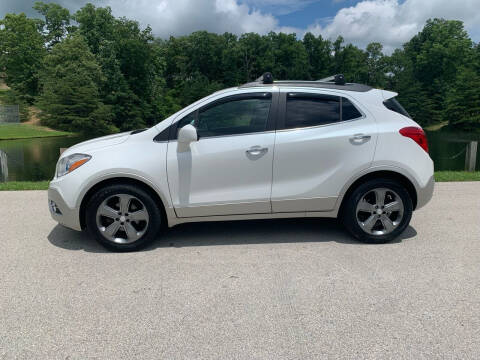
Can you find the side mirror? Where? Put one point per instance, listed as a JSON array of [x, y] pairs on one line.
[[187, 134]]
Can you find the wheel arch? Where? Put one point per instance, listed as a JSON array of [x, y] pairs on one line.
[[386, 174], [117, 180]]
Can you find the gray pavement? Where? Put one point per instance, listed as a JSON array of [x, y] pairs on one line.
[[282, 289]]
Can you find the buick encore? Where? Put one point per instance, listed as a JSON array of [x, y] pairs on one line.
[[267, 149]]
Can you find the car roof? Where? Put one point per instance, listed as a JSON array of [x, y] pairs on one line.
[[310, 84]]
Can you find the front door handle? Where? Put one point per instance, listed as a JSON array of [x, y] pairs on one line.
[[360, 138], [256, 150]]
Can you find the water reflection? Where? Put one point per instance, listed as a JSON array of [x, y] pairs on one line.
[[450, 151], [3, 166], [31, 159], [35, 159]]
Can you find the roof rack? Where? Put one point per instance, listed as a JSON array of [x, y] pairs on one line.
[[331, 82], [338, 79], [266, 78]]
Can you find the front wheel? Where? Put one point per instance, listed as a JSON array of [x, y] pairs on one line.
[[378, 211], [123, 217]]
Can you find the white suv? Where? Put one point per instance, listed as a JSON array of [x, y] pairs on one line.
[[268, 149]]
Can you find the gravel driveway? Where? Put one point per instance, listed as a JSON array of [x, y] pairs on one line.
[[281, 289]]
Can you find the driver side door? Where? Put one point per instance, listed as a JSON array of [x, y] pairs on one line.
[[228, 170]]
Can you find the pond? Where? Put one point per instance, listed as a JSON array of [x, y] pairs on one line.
[[35, 159], [32, 159]]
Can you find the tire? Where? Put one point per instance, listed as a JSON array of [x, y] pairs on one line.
[[362, 209], [123, 217]]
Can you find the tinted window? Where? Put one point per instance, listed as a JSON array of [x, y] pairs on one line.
[[241, 116], [305, 110], [394, 105], [349, 111]]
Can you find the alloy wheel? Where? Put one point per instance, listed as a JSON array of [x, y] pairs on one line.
[[122, 218], [379, 211]]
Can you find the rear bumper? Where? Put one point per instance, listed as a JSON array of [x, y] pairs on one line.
[[424, 194], [60, 212]]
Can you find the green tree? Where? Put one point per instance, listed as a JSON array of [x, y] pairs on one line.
[[231, 63], [121, 77], [431, 60], [57, 21], [131, 63], [288, 57], [376, 65], [350, 61], [70, 97], [21, 54], [198, 86], [252, 49], [319, 53], [167, 104], [438, 51], [95, 25], [463, 101]]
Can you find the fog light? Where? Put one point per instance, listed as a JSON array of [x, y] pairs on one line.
[[54, 208]]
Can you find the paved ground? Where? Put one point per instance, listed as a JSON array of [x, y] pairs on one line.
[[296, 289]]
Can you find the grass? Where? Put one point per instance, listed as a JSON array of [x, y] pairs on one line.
[[436, 127], [24, 185], [27, 131], [444, 176], [440, 176]]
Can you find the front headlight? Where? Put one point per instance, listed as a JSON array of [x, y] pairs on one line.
[[69, 163]]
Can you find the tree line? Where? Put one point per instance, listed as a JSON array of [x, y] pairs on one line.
[[94, 73]]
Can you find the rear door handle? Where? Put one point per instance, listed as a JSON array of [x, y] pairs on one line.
[[256, 150], [360, 138]]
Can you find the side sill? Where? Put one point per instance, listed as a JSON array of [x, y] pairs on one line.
[[283, 215], [308, 204]]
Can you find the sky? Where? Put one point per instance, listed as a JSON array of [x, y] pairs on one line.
[[391, 22]]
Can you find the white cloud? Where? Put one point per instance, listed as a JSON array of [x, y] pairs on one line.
[[393, 23], [279, 7], [390, 22], [180, 17]]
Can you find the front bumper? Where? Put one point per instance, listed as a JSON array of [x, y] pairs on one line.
[[60, 212], [424, 195]]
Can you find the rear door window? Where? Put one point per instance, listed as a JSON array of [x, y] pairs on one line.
[[349, 111], [305, 110]]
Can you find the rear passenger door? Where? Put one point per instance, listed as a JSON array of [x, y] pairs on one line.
[[322, 140]]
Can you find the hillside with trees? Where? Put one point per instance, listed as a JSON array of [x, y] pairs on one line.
[[94, 73]]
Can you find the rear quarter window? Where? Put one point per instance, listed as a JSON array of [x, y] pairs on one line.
[[394, 105]]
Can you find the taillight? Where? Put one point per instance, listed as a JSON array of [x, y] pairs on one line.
[[417, 135]]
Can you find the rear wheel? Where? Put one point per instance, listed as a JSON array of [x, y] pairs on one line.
[[378, 211], [123, 217]]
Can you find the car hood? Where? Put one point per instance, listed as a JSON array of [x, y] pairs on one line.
[[93, 144]]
